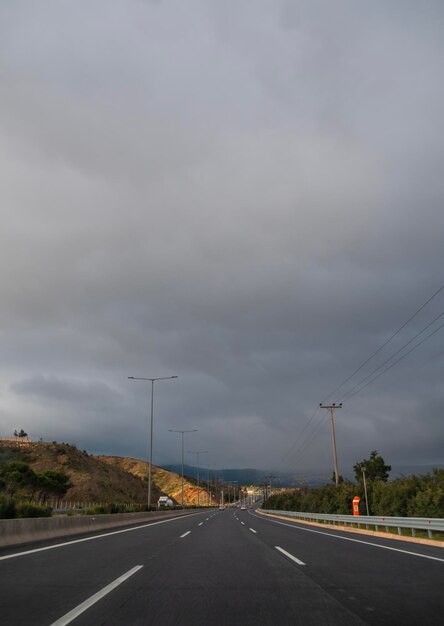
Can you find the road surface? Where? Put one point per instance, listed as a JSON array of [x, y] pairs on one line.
[[222, 568]]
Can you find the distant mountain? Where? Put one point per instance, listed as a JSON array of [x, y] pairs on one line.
[[250, 476]]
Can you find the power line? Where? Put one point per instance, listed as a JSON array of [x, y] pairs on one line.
[[385, 343], [397, 361], [304, 444], [294, 444], [349, 393], [307, 443]]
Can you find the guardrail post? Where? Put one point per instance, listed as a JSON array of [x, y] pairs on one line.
[[413, 532], [399, 531], [429, 532]]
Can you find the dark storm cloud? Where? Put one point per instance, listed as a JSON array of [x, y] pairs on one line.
[[247, 195]]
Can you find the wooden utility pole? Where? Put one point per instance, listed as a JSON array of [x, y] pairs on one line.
[[331, 408]]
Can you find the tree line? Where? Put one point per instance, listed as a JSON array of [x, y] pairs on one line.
[[412, 496], [24, 493]]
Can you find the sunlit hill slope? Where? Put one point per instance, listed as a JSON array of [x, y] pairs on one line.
[[101, 478]]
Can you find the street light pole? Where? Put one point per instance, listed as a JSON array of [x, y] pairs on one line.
[[152, 380], [198, 453], [182, 432], [234, 483]]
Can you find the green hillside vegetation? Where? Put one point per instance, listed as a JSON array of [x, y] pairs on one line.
[[35, 474], [412, 496]]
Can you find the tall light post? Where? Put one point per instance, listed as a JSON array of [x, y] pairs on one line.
[[198, 453], [182, 432], [234, 483], [208, 487], [152, 380]]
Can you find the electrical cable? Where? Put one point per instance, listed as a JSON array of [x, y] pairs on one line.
[[290, 450], [384, 344], [304, 444], [349, 393], [397, 361]]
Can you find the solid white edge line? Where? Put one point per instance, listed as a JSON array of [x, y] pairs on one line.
[[253, 531], [81, 608], [185, 534], [290, 556], [367, 543], [114, 532]]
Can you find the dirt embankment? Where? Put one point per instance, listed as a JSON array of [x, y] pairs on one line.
[[164, 481], [104, 478]]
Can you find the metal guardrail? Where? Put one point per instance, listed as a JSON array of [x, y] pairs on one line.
[[430, 524]]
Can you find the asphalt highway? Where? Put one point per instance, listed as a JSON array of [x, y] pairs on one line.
[[222, 568]]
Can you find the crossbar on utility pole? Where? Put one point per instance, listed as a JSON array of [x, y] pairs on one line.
[[331, 409]]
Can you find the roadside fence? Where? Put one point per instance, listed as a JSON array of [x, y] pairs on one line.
[[430, 524]]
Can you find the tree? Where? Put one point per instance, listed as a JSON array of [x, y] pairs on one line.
[[17, 475], [340, 478], [51, 483], [21, 433], [374, 468]]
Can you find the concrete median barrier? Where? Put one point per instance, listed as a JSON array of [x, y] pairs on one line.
[[19, 531]]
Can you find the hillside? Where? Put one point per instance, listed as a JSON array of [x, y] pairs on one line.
[[99, 479], [167, 482]]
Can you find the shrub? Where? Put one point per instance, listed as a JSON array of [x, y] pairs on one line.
[[414, 496], [7, 508], [29, 509]]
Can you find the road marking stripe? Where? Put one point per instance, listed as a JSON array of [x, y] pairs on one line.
[[253, 531], [185, 534], [114, 532], [243, 523], [200, 524], [290, 556], [367, 543], [72, 615]]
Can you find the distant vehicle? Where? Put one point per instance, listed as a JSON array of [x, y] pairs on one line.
[[221, 507], [164, 502], [243, 507]]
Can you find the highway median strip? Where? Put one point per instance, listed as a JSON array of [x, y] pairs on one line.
[[101, 536]]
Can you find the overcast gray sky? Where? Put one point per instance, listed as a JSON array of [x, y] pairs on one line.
[[247, 194]]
